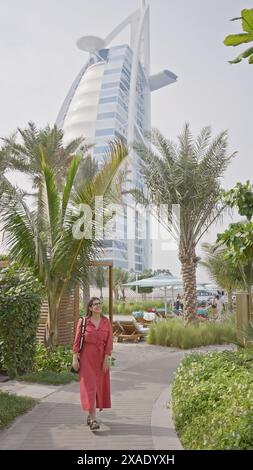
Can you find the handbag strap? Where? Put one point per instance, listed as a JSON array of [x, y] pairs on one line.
[[82, 334]]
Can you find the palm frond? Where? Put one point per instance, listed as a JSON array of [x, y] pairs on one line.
[[202, 142], [221, 270], [215, 160], [70, 179], [106, 182], [19, 234], [51, 201]]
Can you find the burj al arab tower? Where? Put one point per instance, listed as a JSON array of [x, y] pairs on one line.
[[110, 98]]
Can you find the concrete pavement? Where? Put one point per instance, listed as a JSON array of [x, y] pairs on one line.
[[140, 417]]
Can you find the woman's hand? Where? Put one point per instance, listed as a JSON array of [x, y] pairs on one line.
[[75, 363], [106, 363]]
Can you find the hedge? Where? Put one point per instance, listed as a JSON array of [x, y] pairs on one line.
[[20, 302], [212, 397]]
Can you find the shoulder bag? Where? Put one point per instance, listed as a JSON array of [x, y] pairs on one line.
[[80, 344]]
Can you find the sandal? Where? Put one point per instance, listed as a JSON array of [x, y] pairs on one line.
[[94, 425], [88, 420]]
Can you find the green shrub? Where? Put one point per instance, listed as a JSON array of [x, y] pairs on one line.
[[58, 360], [20, 302], [2, 366], [213, 401], [173, 332]]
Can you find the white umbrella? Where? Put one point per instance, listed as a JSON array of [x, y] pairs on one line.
[[161, 280]]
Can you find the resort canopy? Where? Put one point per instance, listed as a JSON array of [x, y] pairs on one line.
[[161, 280], [166, 281]]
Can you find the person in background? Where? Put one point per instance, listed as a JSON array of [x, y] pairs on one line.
[[214, 302], [93, 361], [179, 304], [220, 304]]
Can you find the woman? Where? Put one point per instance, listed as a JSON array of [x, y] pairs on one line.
[[93, 361]]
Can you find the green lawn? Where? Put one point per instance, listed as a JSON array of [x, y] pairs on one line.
[[12, 406], [49, 377]]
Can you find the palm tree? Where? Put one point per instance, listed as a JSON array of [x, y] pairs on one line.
[[21, 151], [187, 175], [41, 237], [87, 170], [120, 277], [24, 148], [222, 271], [100, 279]]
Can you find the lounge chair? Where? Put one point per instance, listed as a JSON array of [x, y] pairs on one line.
[[141, 328], [116, 329], [129, 333]]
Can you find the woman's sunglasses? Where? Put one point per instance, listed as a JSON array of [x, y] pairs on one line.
[[96, 304]]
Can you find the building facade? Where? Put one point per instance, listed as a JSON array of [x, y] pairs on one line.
[[110, 98]]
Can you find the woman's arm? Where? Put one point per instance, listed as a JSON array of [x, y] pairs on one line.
[[75, 362], [77, 337], [108, 348], [109, 344]]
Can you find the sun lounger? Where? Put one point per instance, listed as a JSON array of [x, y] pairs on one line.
[[141, 328], [129, 332]]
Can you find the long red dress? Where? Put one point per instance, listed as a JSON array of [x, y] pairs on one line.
[[93, 381]]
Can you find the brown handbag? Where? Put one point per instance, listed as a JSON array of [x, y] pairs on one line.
[[83, 327]]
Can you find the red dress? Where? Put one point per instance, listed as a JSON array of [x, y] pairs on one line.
[[93, 381]]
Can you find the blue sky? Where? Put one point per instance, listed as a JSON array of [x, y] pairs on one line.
[[39, 60]]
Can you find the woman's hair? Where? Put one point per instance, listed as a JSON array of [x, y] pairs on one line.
[[89, 304]]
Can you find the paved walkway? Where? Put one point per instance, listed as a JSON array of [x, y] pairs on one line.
[[140, 417]]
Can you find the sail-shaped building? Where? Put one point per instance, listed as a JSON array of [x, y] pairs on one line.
[[110, 98]]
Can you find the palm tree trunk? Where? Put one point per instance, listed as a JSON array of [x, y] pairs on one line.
[[123, 294], [54, 298], [51, 330], [86, 292], [230, 301], [116, 293], [101, 293], [189, 262]]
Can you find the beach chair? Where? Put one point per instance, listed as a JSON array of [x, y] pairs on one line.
[[141, 328], [138, 316], [116, 330], [130, 332]]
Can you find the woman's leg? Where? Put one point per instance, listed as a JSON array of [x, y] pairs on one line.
[[93, 423], [92, 412]]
